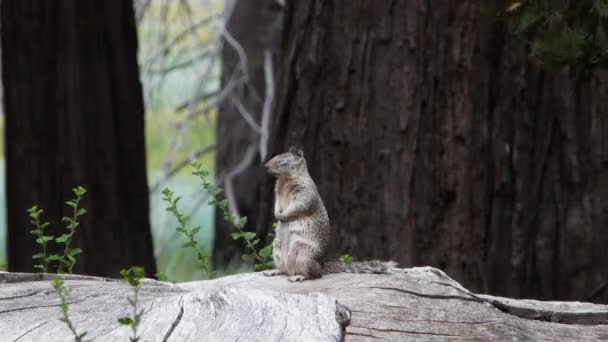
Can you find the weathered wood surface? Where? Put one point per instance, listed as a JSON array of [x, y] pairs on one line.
[[409, 304]]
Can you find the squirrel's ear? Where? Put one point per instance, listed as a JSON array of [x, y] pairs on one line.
[[298, 152]]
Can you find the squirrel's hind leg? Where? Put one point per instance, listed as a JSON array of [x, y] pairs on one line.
[[303, 263]]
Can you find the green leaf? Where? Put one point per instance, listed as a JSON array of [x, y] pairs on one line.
[[54, 257], [161, 276], [266, 251], [242, 221], [63, 238], [236, 235], [57, 282], [71, 203], [74, 251], [195, 230], [249, 236], [125, 321], [38, 256], [79, 191], [346, 258], [189, 244], [81, 212]]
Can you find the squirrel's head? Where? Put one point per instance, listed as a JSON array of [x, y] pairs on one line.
[[291, 163]]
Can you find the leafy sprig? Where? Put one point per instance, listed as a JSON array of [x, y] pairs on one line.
[[63, 293], [133, 277], [260, 256], [41, 239], [68, 259], [345, 258], [189, 233]]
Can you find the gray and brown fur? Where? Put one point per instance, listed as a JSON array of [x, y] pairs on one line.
[[304, 232]]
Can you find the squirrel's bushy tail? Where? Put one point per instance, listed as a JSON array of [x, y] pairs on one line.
[[373, 266]]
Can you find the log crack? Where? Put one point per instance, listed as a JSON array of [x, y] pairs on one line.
[[176, 322]]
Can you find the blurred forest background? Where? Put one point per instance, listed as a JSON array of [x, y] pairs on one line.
[[469, 136]]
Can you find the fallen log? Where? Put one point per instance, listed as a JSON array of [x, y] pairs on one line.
[[408, 304]]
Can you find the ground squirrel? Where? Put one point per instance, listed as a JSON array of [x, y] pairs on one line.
[[303, 234]]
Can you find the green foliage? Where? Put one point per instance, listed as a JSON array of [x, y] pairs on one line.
[[63, 293], [261, 257], [41, 239], [66, 260], [133, 276], [346, 258], [189, 233], [161, 276], [571, 32]]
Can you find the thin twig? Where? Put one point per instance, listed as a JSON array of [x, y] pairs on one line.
[[183, 164], [238, 169]]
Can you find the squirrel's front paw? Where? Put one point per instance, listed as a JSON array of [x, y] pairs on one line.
[[272, 273], [296, 278]]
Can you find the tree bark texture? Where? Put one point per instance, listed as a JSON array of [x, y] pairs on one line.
[[417, 304], [433, 140], [75, 116], [256, 26]]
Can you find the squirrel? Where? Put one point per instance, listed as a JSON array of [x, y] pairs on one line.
[[303, 233]]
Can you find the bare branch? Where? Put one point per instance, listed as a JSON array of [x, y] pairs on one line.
[[180, 65], [178, 37], [238, 169], [194, 156], [245, 113], [267, 108]]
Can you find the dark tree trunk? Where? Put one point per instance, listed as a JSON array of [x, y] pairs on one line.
[[256, 25], [74, 116], [433, 141]]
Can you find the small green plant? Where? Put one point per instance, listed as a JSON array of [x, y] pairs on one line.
[[41, 239], [63, 293], [68, 259], [188, 232], [133, 276], [260, 257], [346, 258], [161, 276]]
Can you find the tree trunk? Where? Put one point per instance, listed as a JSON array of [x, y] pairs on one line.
[[433, 140], [74, 116], [256, 26]]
